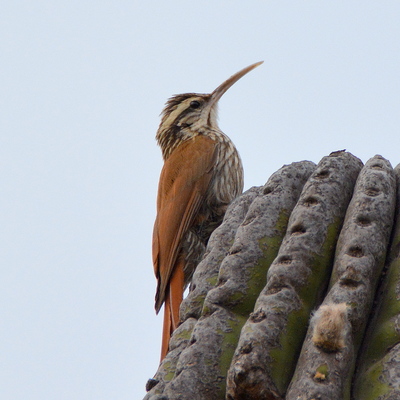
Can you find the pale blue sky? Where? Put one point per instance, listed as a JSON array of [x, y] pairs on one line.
[[82, 84]]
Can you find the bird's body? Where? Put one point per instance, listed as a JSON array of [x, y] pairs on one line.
[[202, 174]]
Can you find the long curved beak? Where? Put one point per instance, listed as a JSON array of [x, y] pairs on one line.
[[221, 89]]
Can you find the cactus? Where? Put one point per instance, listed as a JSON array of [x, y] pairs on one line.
[[283, 304]]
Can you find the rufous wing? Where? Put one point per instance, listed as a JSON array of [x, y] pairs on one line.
[[184, 182]]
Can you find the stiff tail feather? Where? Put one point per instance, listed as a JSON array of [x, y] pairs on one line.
[[171, 306]]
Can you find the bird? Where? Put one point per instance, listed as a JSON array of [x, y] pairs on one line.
[[201, 175]]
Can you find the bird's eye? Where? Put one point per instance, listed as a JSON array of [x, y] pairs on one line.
[[194, 104]]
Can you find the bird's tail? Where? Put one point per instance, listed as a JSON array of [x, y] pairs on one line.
[[171, 306]]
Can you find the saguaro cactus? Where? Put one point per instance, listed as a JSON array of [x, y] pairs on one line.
[[284, 298]]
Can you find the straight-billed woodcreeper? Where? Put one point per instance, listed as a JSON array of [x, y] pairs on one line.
[[202, 174]]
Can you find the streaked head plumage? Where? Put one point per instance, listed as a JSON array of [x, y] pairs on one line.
[[190, 114]]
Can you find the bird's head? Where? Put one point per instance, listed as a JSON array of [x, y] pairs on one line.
[[190, 114]]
